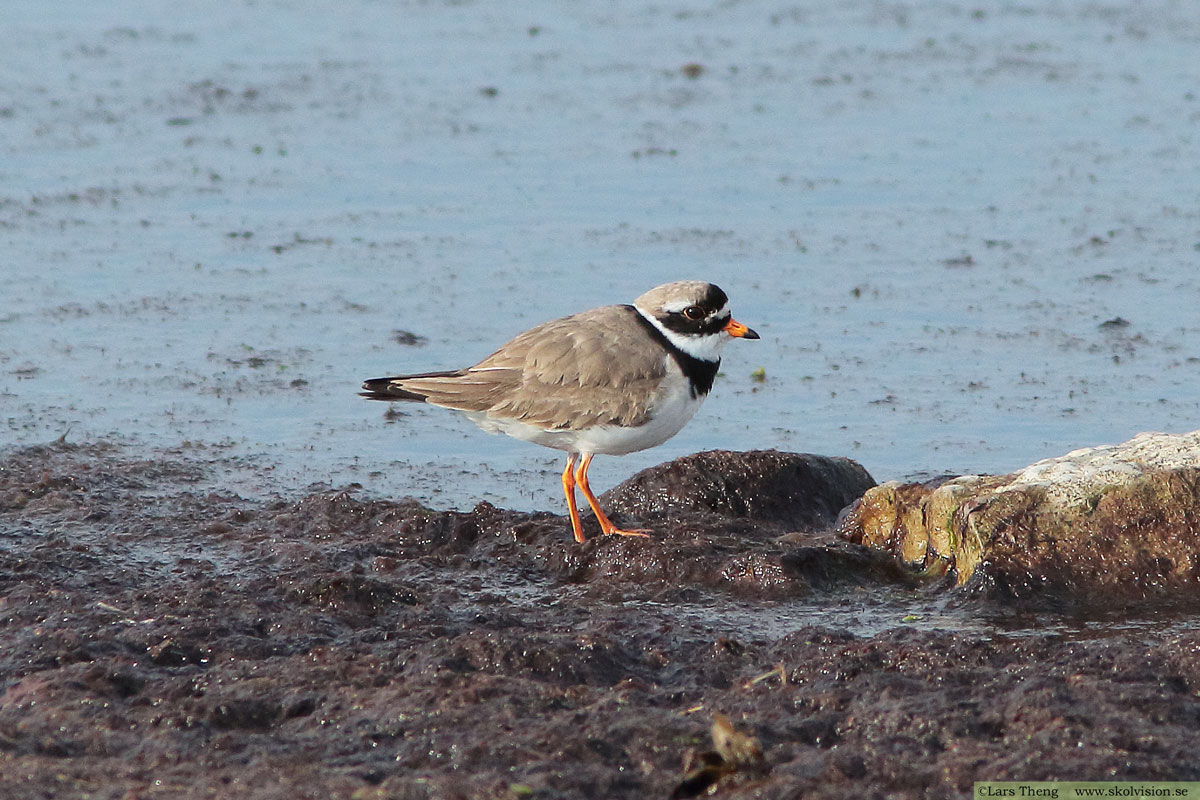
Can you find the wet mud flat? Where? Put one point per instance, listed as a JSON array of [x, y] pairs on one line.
[[161, 637]]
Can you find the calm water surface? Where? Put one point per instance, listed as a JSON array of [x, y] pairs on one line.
[[969, 236]]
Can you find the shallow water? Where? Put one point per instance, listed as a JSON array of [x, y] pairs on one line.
[[214, 223]]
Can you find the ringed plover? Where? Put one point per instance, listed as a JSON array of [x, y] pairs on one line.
[[612, 380]]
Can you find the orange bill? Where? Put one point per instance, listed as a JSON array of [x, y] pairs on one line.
[[735, 328]]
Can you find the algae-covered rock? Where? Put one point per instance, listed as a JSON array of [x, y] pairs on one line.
[[1118, 521], [797, 489]]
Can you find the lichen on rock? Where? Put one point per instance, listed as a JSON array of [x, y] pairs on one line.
[[1113, 522]]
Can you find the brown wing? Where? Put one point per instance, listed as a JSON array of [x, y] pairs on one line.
[[599, 367]]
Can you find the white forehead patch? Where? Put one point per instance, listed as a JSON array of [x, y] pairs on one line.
[[676, 306]]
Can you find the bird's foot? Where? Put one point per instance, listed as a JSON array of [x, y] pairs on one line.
[[615, 531]]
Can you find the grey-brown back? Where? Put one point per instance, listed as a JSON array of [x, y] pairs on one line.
[[598, 367]]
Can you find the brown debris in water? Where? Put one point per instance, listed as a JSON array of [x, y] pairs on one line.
[[159, 636], [733, 752]]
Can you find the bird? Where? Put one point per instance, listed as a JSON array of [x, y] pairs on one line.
[[609, 381]]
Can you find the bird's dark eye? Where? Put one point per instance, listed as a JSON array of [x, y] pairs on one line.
[[694, 313]]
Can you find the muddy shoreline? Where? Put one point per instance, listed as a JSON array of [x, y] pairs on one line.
[[162, 639]]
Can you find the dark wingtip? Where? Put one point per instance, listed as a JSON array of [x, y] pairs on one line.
[[385, 389]]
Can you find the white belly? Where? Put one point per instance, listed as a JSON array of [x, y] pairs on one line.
[[669, 415]]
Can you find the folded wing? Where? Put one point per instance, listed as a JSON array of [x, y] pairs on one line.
[[593, 368]]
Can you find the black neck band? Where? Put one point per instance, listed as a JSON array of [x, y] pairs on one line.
[[700, 373]]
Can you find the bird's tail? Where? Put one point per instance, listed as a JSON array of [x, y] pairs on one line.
[[394, 389]]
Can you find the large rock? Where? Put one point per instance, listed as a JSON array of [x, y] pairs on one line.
[[799, 490], [1119, 522]]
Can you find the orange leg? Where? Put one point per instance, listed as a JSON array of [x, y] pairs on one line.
[[568, 481], [606, 524]]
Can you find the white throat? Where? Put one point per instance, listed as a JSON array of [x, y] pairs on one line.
[[705, 348]]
